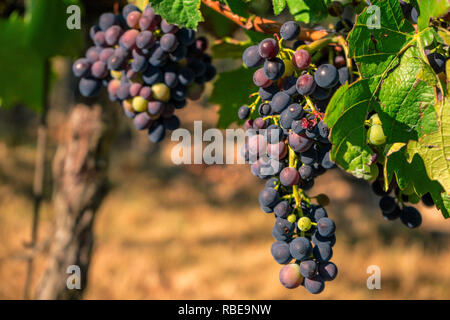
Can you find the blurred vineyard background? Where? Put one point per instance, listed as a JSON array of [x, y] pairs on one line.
[[196, 232]]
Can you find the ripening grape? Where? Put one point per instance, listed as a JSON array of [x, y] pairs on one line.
[[169, 42], [268, 48], [305, 84], [308, 268], [289, 177], [314, 285], [322, 252], [290, 276], [274, 69], [243, 112], [268, 197], [282, 209], [301, 59], [89, 87], [251, 57], [299, 143], [411, 217], [133, 19], [128, 39], [437, 61], [280, 101], [328, 271], [326, 227], [290, 30], [280, 252], [81, 67], [156, 132], [161, 92], [142, 121], [260, 79], [326, 76], [300, 248]]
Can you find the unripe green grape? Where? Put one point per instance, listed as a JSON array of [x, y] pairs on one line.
[[376, 135], [292, 218], [139, 104], [161, 92], [375, 119], [304, 223]]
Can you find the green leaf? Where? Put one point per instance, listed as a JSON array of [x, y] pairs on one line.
[[374, 50], [345, 117], [434, 148], [396, 83], [47, 33], [22, 70], [231, 91], [406, 99], [429, 9], [308, 11], [278, 6], [185, 13], [414, 173]]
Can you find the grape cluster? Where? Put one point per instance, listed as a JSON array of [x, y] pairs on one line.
[[288, 145], [394, 206], [147, 64]]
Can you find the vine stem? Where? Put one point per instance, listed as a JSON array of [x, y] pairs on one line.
[[348, 60], [258, 24], [295, 191]]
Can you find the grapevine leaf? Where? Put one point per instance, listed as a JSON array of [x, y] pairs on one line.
[[374, 49], [307, 11], [414, 173], [407, 99], [18, 59], [395, 82], [278, 6], [345, 117], [47, 32], [231, 91], [434, 148], [185, 13], [429, 9]]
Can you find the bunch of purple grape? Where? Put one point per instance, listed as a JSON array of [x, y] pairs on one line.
[[147, 64], [288, 145], [394, 206]]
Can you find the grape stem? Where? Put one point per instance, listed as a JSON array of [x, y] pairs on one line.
[[341, 41], [313, 108], [258, 24]]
